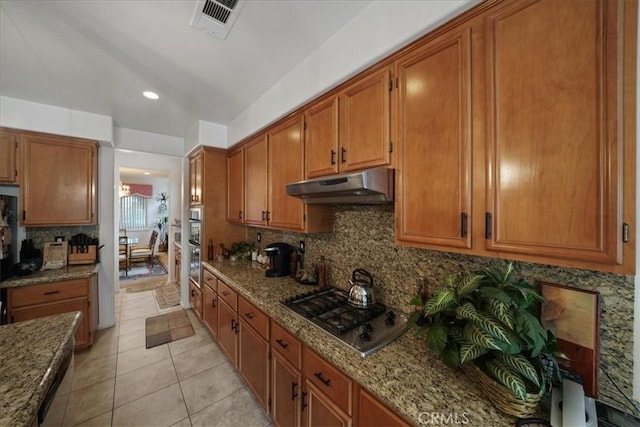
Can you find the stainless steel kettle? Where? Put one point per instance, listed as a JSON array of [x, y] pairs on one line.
[[361, 291]]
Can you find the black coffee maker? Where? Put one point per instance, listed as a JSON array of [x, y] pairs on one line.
[[279, 259]]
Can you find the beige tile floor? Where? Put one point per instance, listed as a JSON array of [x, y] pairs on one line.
[[118, 382]]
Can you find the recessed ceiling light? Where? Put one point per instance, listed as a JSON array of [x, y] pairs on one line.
[[150, 95], [147, 173]]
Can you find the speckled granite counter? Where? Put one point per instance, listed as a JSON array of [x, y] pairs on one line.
[[30, 354], [403, 374], [46, 276]]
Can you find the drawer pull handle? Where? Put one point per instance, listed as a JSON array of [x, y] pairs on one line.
[[323, 380], [294, 391], [304, 403], [282, 343], [225, 294], [249, 315], [213, 303], [52, 292]]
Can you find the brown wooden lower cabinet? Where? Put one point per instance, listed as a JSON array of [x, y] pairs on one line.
[[372, 413], [228, 329], [286, 389], [35, 301], [210, 309], [320, 410], [195, 298], [253, 362]]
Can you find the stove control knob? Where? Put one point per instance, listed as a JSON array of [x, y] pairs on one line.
[[391, 318], [367, 328], [366, 333]]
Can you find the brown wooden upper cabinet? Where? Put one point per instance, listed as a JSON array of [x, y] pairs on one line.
[[272, 160], [8, 156], [534, 142], [235, 186], [58, 178], [351, 130], [196, 195], [435, 140], [255, 181], [554, 147]]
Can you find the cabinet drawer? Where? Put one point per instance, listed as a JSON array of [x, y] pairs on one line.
[[333, 383], [228, 295], [48, 292], [286, 344], [254, 317], [209, 279]]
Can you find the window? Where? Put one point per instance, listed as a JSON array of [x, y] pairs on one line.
[[133, 212]]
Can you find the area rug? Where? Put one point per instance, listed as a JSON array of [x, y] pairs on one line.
[[167, 295], [167, 327], [140, 271]]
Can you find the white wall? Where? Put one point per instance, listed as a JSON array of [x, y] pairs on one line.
[[205, 133], [379, 30], [20, 114], [147, 142]]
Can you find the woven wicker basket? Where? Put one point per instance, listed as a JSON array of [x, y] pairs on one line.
[[500, 395]]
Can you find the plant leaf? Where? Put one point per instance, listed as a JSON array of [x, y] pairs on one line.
[[507, 378], [470, 351], [436, 337], [489, 292], [469, 283], [457, 334], [467, 311], [416, 300], [501, 311], [531, 330], [521, 365], [440, 301], [491, 326], [477, 336], [451, 355]]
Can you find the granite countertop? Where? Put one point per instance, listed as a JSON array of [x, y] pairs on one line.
[[404, 374], [30, 354], [47, 276]]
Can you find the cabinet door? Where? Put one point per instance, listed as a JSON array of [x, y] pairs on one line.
[[365, 122], [83, 336], [8, 156], [228, 331], [321, 138], [319, 410], [235, 186], [286, 386], [554, 144], [58, 180], [433, 175], [255, 179], [253, 362], [210, 309], [195, 298], [375, 414], [286, 164]]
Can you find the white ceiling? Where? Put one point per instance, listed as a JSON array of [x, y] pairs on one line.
[[99, 55]]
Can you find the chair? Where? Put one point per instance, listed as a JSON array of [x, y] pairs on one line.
[[144, 252], [123, 254]]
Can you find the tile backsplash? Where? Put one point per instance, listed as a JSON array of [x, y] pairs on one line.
[[40, 235], [363, 237]]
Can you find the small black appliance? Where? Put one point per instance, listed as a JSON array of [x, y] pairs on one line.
[[279, 259]]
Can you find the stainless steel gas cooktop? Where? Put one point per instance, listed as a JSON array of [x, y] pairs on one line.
[[362, 329]]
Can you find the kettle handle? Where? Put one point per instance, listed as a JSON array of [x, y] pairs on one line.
[[362, 272]]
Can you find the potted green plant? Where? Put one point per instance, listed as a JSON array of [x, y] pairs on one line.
[[162, 220], [487, 324]]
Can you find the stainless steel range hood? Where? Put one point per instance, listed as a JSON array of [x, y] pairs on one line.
[[368, 187]]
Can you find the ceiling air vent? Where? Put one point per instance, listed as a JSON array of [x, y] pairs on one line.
[[216, 17]]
